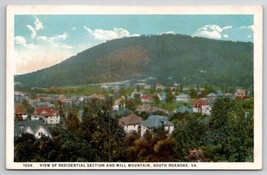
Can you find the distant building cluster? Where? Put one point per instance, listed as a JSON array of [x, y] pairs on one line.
[[35, 115]]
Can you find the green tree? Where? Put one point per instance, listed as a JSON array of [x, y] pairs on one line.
[[181, 88], [61, 110], [207, 90], [29, 108], [103, 131], [190, 133], [137, 99], [25, 148], [230, 134], [72, 121], [192, 92], [169, 96], [156, 100], [153, 147]]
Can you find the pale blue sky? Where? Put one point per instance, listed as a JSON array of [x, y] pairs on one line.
[[57, 37]]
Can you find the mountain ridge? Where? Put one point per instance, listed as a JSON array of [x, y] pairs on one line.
[[188, 60]]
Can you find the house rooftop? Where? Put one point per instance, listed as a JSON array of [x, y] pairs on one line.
[[34, 125], [131, 119], [184, 109], [146, 97], [45, 111], [201, 101], [156, 121]]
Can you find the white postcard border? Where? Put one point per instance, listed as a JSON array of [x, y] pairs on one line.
[[255, 10]]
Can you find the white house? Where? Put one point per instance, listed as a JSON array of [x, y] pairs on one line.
[[36, 128], [49, 115], [159, 86], [197, 105], [183, 98], [104, 86], [206, 109], [146, 99], [131, 122], [82, 99], [117, 104], [41, 131], [241, 93]]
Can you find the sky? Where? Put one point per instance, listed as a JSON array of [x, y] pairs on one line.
[[44, 40]]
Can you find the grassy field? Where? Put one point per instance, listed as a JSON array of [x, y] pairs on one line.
[[72, 91]]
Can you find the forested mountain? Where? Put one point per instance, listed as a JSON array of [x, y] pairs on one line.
[[186, 59]]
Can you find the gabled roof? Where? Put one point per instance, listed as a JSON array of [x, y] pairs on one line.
[[146, 97], [201, 101], [36, 128], [183, 109], [45, 111], [34, 125], [30, 123], [131, 119], [156, 121], [18, 130]]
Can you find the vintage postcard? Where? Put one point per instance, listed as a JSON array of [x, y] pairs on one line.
[[134, 87]]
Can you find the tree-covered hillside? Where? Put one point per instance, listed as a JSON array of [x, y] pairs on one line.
[[187, 60]]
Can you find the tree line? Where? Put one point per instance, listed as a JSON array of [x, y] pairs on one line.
[[225, 136]]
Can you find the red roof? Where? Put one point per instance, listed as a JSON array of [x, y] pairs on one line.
[[146, 97], [45, 111], [200, 102]]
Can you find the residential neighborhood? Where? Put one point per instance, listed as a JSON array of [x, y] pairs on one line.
[[139, 109], [46, 106], [146, 87]]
